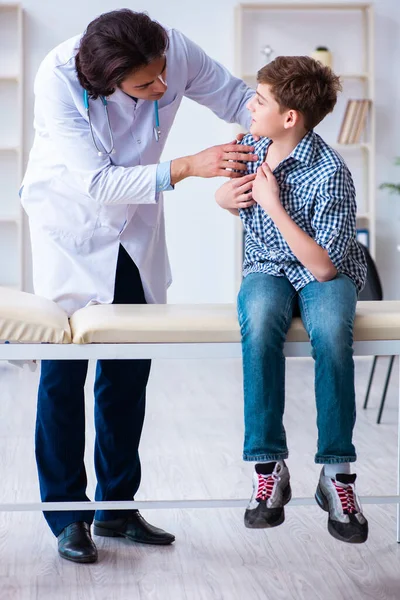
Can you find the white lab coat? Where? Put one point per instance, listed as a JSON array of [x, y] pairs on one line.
[[81, 206]]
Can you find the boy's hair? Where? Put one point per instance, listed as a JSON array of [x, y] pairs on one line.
[[304, 84]]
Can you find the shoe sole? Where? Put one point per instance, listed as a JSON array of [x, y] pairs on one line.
[[261, 523], [85, 560], [103, 532], [324, 504]]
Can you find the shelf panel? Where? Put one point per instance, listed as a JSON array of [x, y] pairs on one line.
[[252, 78], [298, 33], [11, 71], [13, 78], [9, 114], [291, 6], [365, 146], [10, 274], [10, 219], [354, 75], [9, 42], [10, 178]]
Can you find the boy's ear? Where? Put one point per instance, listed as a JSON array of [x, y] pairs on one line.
[[293, 117]]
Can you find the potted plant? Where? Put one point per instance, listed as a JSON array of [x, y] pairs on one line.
[[394, 188]]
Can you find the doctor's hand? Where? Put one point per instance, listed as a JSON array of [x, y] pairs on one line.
[[218, 161], [222, 161], [266, 190], [236, 193], [240, 136]]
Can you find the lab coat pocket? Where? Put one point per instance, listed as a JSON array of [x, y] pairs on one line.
[[149, 213], [76, 244]]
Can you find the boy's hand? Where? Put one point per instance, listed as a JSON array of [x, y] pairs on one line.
[[236, 194], [266, 190]]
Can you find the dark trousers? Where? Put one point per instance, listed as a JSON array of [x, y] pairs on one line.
[[120, 393]]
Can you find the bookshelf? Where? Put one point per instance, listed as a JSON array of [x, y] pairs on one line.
[[297, 29], [11, 154]]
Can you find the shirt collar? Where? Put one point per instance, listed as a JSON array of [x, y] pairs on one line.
[[121, 98], [304, 151]]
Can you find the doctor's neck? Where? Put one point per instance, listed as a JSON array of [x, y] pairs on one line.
[[130, 96]]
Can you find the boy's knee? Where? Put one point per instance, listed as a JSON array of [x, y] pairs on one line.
[[332, 335], [261, 322]]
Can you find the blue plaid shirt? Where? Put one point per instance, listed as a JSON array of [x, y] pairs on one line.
[[317, 191]]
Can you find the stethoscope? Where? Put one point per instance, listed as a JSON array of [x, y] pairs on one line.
[[157, 130]]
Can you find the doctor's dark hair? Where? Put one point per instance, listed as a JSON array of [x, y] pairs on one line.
[[114, 46], [303, 84]]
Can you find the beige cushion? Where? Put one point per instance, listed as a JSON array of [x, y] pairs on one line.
[[206, 323], [31, 319]]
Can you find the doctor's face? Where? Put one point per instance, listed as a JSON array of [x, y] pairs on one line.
[[148, 83]]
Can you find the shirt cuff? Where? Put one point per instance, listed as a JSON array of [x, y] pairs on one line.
[[163, 177]]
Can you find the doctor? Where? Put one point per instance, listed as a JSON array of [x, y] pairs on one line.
[[93, 192]]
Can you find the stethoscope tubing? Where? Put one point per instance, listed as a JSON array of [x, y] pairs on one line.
[[105, 152]]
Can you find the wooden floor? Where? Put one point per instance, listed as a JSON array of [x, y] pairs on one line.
[[192, 449]]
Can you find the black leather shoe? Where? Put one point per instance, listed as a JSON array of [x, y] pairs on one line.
[[75, 543], [134, 528]]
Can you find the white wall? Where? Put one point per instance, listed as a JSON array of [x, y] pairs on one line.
[[200, 235]]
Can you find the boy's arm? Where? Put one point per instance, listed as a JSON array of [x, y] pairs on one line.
[[333, 221], [305, 249]]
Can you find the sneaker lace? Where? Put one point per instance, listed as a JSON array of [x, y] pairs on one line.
[[266, 485], [346, 497]]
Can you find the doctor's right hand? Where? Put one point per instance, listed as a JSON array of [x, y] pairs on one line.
[[236, 193], [222, 161]]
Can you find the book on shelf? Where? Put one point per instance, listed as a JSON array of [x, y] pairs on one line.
[[354, 120]]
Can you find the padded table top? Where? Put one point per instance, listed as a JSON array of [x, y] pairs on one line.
[[31, 319], [174, 323]]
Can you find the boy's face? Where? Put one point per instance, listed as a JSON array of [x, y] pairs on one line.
[[268, 119]]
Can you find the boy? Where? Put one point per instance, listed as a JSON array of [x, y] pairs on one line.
[[299, 214]]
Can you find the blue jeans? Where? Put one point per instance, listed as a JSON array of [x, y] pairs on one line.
[[265, 308], [120, 392]]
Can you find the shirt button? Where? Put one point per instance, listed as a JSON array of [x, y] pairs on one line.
[[269, 231]]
